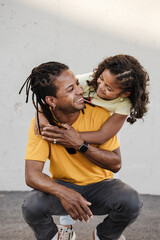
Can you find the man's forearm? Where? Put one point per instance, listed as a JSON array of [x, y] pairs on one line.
[[103, 158], [72, 139], [72, 201], [44, 183]]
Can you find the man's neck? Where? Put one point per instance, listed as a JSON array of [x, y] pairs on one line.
[[68, 118]]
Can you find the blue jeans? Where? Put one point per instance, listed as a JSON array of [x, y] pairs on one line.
[[113, 198]]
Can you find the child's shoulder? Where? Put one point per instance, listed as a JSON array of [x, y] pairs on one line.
[[84, 77], [123, 106], [118, 105]]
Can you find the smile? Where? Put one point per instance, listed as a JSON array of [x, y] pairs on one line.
[[100, 91], [80, 100]]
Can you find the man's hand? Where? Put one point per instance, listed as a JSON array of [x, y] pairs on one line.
[[68, 136], [76, 205], [73, 202]]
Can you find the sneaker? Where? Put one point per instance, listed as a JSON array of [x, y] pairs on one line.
[[66, 233], [95, 237], [122, 237]]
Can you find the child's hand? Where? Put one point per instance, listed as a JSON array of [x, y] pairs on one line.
[[43, 122]]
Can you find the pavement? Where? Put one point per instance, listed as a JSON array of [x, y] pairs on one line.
[[13, 227]]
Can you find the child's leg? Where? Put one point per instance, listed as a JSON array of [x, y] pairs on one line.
[[66, 220]]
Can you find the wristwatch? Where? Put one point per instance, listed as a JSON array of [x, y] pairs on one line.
[[84, 147]]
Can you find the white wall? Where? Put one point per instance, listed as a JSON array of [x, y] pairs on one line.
[[79, 33]]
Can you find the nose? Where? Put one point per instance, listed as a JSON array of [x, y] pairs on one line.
[[79, 90], [101, 85]]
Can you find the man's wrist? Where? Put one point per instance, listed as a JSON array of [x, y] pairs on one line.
[[78, 142], [60, 191], [83, 147]]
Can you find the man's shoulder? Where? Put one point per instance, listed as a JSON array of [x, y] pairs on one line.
[[98, 114], [90, 108]]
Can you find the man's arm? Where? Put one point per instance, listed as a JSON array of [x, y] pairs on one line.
[[104, 159], [69, 137], [72, 201]]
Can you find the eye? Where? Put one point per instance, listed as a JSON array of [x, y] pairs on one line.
[[77, 82], [110, 90], [101, 77], [70, 89]]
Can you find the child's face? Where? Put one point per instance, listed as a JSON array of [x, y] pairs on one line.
[[107, 87]]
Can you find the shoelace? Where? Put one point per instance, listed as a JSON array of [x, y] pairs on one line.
[[65, 233]]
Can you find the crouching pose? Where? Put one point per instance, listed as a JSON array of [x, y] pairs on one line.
[[82, 183]]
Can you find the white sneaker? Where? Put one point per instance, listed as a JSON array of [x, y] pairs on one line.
[[122, 238], [66, 233], [95, 237]]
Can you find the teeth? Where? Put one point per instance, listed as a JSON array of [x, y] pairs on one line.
[[79, 99]]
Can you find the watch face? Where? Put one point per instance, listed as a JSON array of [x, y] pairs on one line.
[[83, 148]]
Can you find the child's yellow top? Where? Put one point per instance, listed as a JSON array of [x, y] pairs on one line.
[[119, 105]]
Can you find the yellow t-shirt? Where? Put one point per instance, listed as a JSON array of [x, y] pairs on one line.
[[74, 168], [119, 105]]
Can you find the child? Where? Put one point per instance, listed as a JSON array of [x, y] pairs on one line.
[[119, 84]]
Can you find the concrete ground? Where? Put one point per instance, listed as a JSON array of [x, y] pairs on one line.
[[13, 227]]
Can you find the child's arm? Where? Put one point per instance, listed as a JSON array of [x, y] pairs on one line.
[[43, 122], [109, 129]]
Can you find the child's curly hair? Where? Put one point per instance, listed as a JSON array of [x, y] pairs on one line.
[[131, 77]]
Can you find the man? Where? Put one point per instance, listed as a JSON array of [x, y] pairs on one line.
[[81, 183]]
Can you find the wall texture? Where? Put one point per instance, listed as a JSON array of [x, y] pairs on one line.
[[79, 33]]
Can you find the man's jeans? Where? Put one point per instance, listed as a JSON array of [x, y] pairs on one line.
[[113, 198]]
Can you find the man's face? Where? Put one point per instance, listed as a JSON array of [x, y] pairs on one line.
[[69, 96]]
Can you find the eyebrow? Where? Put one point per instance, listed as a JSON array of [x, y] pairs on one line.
[[101, 75], [71, 84]]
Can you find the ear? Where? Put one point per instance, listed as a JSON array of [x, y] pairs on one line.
[[51, 101], [125, 94]]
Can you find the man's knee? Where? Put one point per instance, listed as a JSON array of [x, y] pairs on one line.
[[131, 203], [33, 205]]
